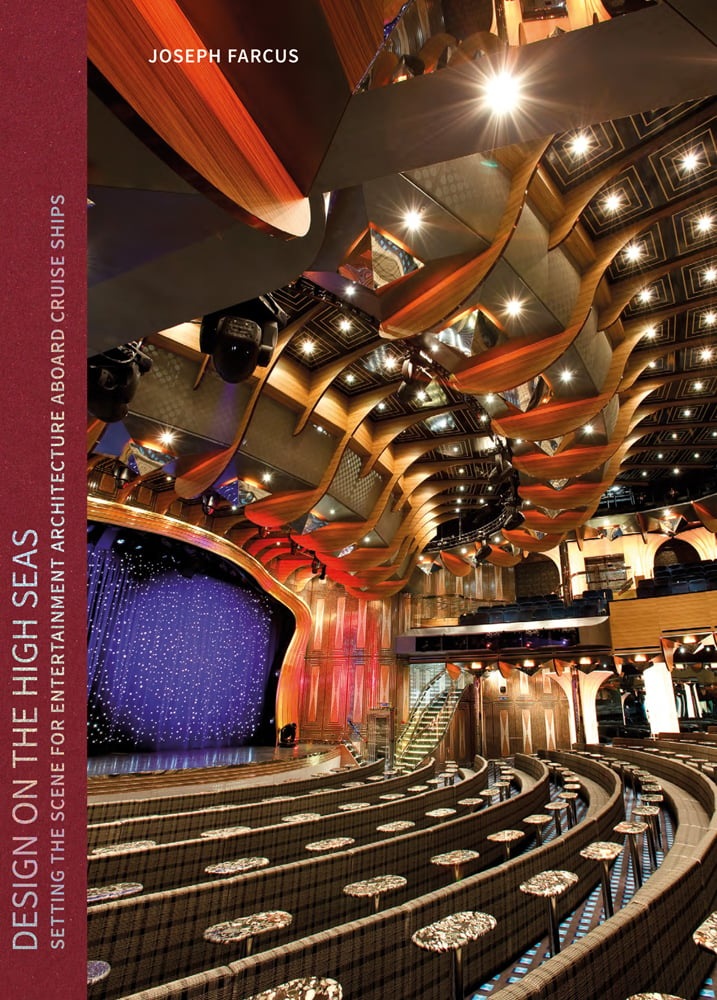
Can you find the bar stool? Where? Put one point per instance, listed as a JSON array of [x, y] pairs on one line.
[[557, 808], [451, 934], [649, 814], [706, 933], [455, 859], [472, 803], [97, 971], [506, 838], [488, 795], [549, 885], [309, 988], [571, 799], [654, 996], [632, 830], [503, 787], [397, 826], [604, 851], [537, 821]]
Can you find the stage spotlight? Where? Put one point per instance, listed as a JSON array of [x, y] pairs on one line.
[[112, 380], [209, 504], [514, 518], [481, 554], [242, 337]]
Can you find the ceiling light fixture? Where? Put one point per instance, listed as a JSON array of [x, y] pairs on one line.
[[634, 251], [514, 307], [645, 295], [580, 144], [167, 437], [612, 202], [690, 161], [344, 325], [413, 219], [704, 223], [502, 93], [710, 274]]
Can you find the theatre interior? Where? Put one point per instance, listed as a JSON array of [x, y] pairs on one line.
[[402, 500]]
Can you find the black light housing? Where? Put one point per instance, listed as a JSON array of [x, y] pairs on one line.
[[112, 380], [242, 337]]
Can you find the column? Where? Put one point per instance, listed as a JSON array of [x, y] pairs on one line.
[[589, 685], [660, 699]]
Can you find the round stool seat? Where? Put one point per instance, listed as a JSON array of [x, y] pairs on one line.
[[311, 988], [706, 933]]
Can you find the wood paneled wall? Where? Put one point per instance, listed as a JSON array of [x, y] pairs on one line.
[[530, 713]]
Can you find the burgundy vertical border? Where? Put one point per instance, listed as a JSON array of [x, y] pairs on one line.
[[42, 167]]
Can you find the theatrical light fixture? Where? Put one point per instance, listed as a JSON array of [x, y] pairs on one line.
[[113, 379], [242, 337]]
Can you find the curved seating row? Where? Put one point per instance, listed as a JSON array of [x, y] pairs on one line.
[[647, 945], [171, 827], [167, 866], [216, 792], [373, 954]]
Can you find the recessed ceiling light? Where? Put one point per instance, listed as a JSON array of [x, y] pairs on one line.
[[687, 413], [382, 406], [483, 417], [710, 274], [518, 440], [667, 513], [167, 437], [645, 295], [650, 332], [266, 477], [660, 455], [421, 394], [588, 428], [459, 500], [514, 307], [698, 386], [580, 144], [350, 377], [706, 354], [696, 455], [652, 364], [390, 362], [674, 435], [462, 489], [463, 551], [350, 290], [413, 219], [367, 538], [502, 93], [704, 223], [675, 472], [612, 202], [708, 318], [644, 473], [634, 251], [344, 324], [461, 469], [566, 375], [332, 511], [690, 161], [482, 499], [308, 347], [490, 397]]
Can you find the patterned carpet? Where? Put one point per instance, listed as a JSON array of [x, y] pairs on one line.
[[589, 914]]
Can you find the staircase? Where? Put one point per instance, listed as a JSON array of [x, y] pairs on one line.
[[430, 718]]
